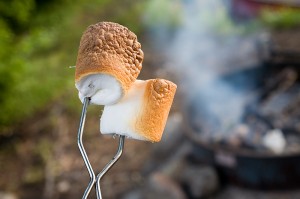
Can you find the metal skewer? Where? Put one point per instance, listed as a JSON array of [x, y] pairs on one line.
[[93, 180], [109, 165], [82, 150]]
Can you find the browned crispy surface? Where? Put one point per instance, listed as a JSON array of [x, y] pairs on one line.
[[109, 48], [158, 98]]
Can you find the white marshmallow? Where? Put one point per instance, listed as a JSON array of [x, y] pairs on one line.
[[120, 118], [142, 113], [103, 89]]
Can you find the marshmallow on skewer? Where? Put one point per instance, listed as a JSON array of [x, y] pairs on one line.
[[108, 62], [142, 113]]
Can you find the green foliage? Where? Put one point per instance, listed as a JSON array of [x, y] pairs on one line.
[[223, 24], [38, 43], [212, 18], [167, 13], [281, 19], [17, 12]]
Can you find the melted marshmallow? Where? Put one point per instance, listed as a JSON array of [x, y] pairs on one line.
[[103, 89]]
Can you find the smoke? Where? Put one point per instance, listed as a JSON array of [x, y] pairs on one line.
[[204, 45]]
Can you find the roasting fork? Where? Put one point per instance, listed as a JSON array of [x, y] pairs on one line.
[[95, 180]]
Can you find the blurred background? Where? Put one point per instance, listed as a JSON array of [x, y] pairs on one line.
[[233, 130]]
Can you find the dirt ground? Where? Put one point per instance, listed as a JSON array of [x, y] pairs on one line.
[[47, 163]]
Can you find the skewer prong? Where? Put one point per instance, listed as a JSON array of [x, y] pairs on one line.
[[93, 179], [109, 165], [82, 150]]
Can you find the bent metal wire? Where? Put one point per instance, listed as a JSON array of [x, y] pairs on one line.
[[93, 179]]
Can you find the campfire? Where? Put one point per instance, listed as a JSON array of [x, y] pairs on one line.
[[239, 82], [239, 88], [269, 122]]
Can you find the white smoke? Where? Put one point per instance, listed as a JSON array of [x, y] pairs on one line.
[[203, 44]]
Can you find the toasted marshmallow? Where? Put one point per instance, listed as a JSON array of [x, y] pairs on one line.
[[142, 113], [110, 52]]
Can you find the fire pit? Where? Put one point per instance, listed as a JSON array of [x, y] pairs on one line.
[[248, 168], [238, 150], [240, 86]]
